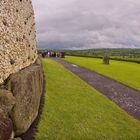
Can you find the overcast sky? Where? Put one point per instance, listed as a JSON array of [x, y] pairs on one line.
[[85, 24]]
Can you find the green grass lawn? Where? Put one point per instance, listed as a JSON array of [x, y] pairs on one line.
[[124, 72], [75, 111]]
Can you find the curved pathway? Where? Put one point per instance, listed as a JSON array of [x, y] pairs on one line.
[[125, 97]]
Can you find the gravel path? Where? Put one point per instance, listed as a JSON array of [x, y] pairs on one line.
[[125, 97]]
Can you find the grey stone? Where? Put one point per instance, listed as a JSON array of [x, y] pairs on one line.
[[26, 87], [38, 61], [7, 101], [17, 139], [6, 126], [106, 59]]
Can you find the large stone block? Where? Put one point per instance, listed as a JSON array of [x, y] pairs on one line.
[[7, 102], [6, 126], [26, 87], [106, 59]]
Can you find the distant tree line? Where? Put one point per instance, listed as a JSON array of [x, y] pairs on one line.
[[130, 55]]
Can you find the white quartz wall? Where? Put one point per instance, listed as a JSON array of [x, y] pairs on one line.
[[17, 36]]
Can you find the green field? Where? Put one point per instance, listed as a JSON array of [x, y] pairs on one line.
[[124, 72], [123, 54], [75, 111]]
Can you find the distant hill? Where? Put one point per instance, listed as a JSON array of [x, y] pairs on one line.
[[125, 54]]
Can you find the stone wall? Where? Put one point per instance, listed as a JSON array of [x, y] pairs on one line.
[[21, 76], [19, 101], [17, 36]]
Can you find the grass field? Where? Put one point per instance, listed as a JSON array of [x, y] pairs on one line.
[[75, 111], [124, 72]]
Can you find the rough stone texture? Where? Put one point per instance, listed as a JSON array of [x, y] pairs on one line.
[[17, 139], [18, 106], [7, 101], [17, 36], [6, 126], [106, 59], [26, 86]]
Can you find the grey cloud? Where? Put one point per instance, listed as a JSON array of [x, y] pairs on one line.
[[81, 24]]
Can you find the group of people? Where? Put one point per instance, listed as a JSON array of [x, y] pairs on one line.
[[53, 54]]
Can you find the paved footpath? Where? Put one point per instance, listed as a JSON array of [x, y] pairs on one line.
[[125, 97]]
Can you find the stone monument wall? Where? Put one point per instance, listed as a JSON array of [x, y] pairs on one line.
[[17, 36], [21, 76]]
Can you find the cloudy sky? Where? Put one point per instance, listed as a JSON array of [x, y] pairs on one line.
[[85, 24]]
